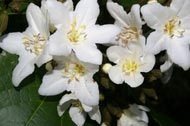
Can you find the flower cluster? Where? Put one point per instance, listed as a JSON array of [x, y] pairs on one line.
[[68, 36]]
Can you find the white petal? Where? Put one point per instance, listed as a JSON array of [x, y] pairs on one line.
[[13, 43], [86, 12], [185, 23], [77, 116], [87, 91], [67, 98], [61, 60], [166, 66], [58, 44], [115, 53], [134, 49], [95, 114], [134, 17], [139, 114], [155, 42], [143, 108], [147, 62], [142, 41], [134, 80], [102, 34], [69, 5], [86, 108], [144, 117], [117, 12], [115, 75], [53, 83], [24, 68], [44, 57], [181, 7], [64, 103], [156, 15], [179, 54], [129, 120], [91, 68], [37, 20], [88, 53], [59, 14]]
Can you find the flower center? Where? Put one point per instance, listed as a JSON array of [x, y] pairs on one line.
[[129, 66], [127, 35], [78, 104], [73, 71], [76, 34], [172, 28], [35, 44]]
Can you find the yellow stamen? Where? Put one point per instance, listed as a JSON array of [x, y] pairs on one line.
[[75, 35], [34, 45], [127, 35], [73, 71], [129, 66], [172, 28]]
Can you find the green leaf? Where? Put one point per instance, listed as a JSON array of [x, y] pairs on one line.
[[23, 106], [162, 119]]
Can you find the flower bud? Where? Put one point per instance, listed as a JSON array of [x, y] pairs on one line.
[[3, 22], [106, 67]]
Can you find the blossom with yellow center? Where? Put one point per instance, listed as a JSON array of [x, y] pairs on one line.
[[30, 45], [77, 110], [73, 71], [35, 44], [127, 35], [74, 76], [129, 67], [76, 35], [77, 30], [130, 24], [171, 30], [130, 62]]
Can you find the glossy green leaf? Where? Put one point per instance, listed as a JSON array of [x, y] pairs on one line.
[[23, 106]]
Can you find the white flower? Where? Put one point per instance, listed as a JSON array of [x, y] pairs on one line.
[[76, 30], [30, 45], [130, 62], [72, 75], [171, 25], [130, 24], [135, 115], [77, 110]]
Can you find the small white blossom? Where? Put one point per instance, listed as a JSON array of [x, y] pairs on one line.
[[171, 25], [78, 111], [135, 115], [74, 76], [30, 45], [130, 62], [76, 30], [130, 24]]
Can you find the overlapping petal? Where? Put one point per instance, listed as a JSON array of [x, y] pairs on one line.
[[87, 91], [155, 15], [118, 13], [87, 12], [53, 83], [24, 68]]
